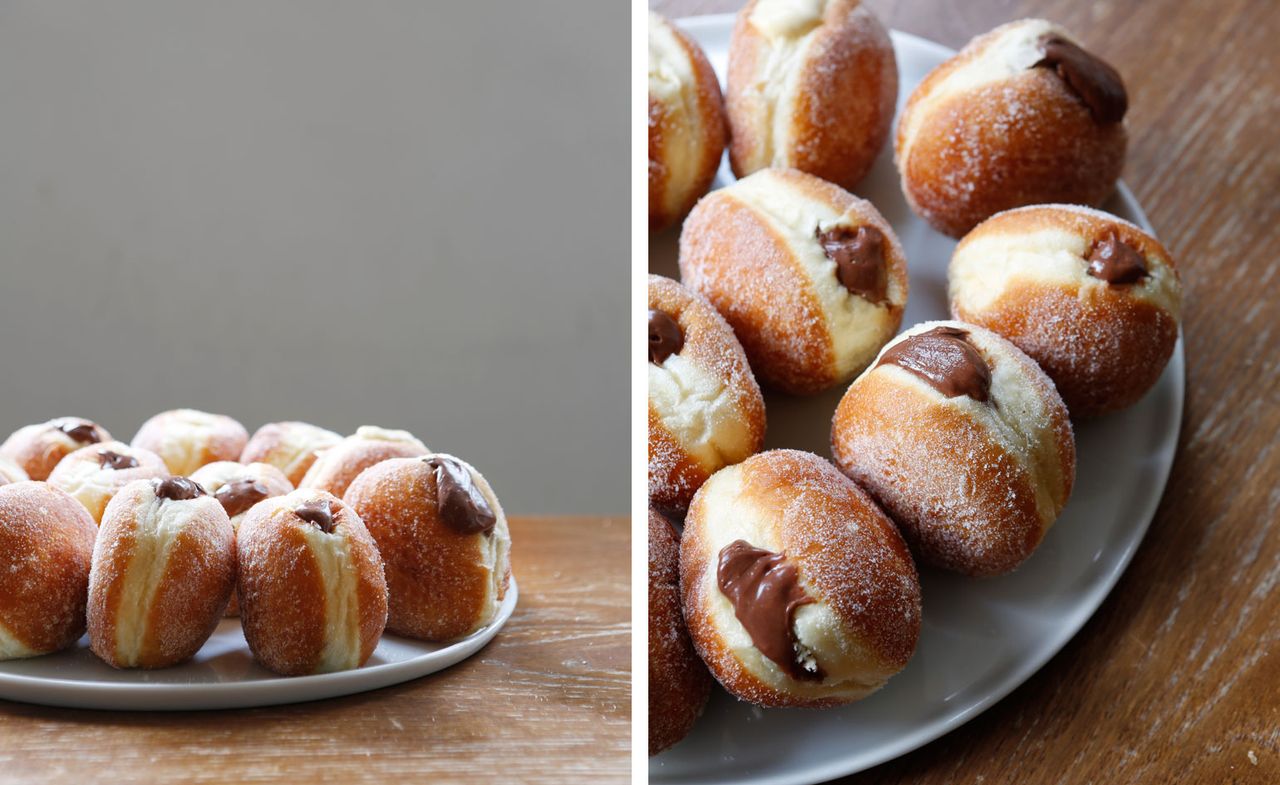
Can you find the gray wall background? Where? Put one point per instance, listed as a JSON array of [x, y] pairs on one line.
[[410, 214]]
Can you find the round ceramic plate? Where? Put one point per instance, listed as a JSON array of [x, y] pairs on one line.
[[980, 638], [223, 675]]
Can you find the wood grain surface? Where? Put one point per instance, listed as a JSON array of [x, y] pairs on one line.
[[1177, 676], [547, 701]]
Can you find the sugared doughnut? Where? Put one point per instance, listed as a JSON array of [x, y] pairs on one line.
[[965, 443], [1090, 297], [313, 598], [187, 439], [444, 540], [337, 466], [798, 591], [38, 448], [291, 447], [237, 487], [1022, 115], [11, 472], [812, 86], [46, 547], [811, 278], [678, 681], [686, 123], [95, 473], [705, 409], [163, 568]]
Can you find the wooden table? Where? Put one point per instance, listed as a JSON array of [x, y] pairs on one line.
[[547, 701], [1177, 676]]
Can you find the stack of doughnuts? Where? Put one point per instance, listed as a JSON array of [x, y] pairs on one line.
[[148, 545], [953, 444]]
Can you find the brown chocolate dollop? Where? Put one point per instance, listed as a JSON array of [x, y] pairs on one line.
[[461, 505], [1116, 262], [238, 496], [178, 488], [765, 592], [81, 431], [114, 460], [318, 513], [665, 338], [945, 360], [859, 258], [1096, 83]]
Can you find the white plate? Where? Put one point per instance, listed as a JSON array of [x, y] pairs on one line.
[[980, 638], [223, 674]]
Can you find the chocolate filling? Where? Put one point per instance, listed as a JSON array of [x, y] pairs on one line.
[[318, 513], [945, 360], [765, 592], [81, 431], [665, 338], [236, 497], [461, 505], [859, 258], [114, 460], [1095, 82], [178, 488], [1116, 262]]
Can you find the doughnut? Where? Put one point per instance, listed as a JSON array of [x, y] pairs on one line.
[[678, 681], [237, 487], [686, 123], [312, 594], [1090, 297], [11, 472], [164, 565], [965, 443], [798, 591], [444, 540], [94, 474], [337, 466], [705, 409], [36, 449], [187, 439], [1022, 115], [811, 86], [811, 278], [291, 447], [46, 546]]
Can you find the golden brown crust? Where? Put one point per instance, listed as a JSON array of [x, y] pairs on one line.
[[846, 91], [750, 273], [436, 577], [46, 547], [338, 466], [847, 552], [1103, 347], [674, 474], [1026, 139], [190, 594], [713, 127], [276, 443], [81, 475], [283, 588], [957, 491], [185, 448], [38, 448], [679, 683]]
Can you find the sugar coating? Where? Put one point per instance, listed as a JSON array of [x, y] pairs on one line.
[[857, 326], [186, 439], [214, 476], [289, 446], [46, 546], [673, 105], [863, 623], [93, 485], [973, 485]]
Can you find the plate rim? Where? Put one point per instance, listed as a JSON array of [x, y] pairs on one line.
[[273, 691], [1096, 594]]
